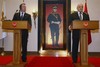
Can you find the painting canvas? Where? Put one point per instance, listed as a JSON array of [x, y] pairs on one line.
[[54, 24]]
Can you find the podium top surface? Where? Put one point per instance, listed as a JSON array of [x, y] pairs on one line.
[[14, 25], [85, 25]]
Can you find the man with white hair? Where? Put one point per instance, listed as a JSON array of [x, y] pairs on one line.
[[79, 15]]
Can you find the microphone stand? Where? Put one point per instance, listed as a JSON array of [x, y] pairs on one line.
[[2, 53]]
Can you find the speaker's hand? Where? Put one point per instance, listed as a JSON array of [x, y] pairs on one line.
[[70, 27]]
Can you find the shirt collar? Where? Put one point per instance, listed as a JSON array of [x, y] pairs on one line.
[[79, 12], [21, 13]]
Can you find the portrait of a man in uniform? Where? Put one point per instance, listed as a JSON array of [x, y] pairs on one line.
[[54, 26], [54, 20]]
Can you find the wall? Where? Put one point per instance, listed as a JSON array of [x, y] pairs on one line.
[[0, 18], [13, 5]]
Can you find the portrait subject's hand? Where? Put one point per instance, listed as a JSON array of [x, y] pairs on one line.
[[52, 22], [58, 22], [55, 22]]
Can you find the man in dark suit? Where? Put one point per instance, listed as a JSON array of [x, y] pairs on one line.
[[79, 15], [54, 22], [23, 16]]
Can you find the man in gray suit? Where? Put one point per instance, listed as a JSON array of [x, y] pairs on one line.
[[79, 15]]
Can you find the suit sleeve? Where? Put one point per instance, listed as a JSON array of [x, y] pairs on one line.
[[49, 18], [29, 20], [14, 17], [88, 17], [59, 17], [70, 19]]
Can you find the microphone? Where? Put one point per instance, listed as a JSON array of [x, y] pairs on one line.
[[16, 11]]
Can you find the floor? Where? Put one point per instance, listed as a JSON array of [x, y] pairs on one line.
[[60, 53]]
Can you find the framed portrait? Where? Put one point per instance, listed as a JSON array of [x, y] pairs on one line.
[[54, 23]]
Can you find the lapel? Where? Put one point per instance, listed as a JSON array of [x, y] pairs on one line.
[[19, 16], [77, 16], [24, 16], [83, 16], [55, 16]]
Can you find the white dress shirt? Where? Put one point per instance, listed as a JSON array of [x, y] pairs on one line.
[[80, 16], [22, 13]]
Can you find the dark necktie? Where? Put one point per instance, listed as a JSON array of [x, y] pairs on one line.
[[22, 16], [80, 15]]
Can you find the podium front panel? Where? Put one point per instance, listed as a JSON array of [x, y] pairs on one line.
[[15, 25], [85, 25]]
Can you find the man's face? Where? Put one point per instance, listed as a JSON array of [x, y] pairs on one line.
[[54, 9], [80, 7], [23, 8]]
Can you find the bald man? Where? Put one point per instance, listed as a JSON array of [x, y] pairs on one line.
[[78, 15]]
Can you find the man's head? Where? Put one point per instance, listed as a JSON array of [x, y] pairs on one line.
[[22, 7], [54, 8], [80, 7]]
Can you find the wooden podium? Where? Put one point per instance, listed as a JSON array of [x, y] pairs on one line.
[[84, 26], [17, 26]]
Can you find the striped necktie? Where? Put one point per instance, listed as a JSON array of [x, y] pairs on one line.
[[80, 15]]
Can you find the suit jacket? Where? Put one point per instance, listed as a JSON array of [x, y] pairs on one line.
[[74, 16], [51, 18], [76, 34], [26, 17]]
